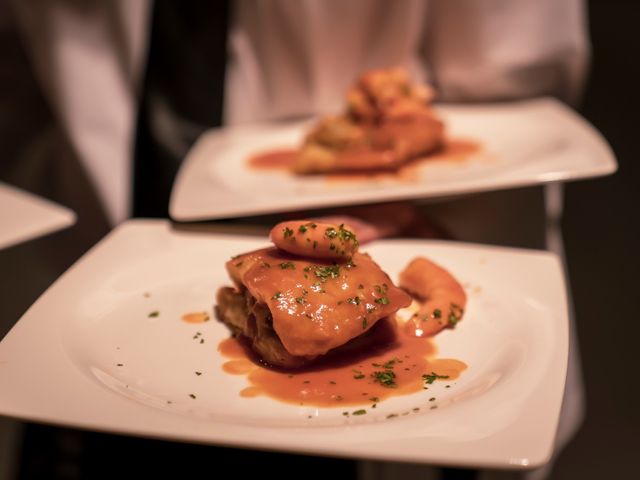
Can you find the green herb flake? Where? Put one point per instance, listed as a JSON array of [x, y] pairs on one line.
[[364, 323], [287, 232], [324, 273], [385, 378], [276, 295], [437, 313], [302, 229], [455, 314], [287, 266], [359, 412], [382, 301], [331, 233], [432, 377], [358, 375], [389, 364]]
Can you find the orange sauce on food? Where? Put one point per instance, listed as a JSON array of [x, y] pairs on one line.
[[279, 159], [453, 150], [196, 317], [350, 378]]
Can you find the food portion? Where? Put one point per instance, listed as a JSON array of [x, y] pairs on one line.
[[311, 294], [441, 298], [388, 121]]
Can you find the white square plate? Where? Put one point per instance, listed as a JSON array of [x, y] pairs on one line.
[[524, 143], [24, 216], [87, 354]]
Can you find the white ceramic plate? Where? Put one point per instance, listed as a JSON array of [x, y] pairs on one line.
[[24, 216], [524, 143], [87, 354]]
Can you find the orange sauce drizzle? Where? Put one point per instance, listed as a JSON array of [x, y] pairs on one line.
[[196, 317], [351, 378]]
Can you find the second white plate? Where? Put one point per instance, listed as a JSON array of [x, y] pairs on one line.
[[24, 216], [523, 143]]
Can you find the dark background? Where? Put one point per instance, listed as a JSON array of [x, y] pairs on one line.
[[601, 241]]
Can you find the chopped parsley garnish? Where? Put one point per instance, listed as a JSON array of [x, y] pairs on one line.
[[389, 364], [437, 313], [154, 314], [385, 378], [341, 234], [432, 377], [364, 323], [455, 314], [287, 232], [382, 301], [300, 300], [358, 375], [302, 229], [381, 289], [266, 265], [324, 273], [331, 233], [287, 265], [359, 412], [276, 295], [354, 300]]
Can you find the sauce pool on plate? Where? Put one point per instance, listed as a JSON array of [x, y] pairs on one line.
[[454, 150], [400, 364]]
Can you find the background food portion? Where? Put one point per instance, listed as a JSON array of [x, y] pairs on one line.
[[388, 121]]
